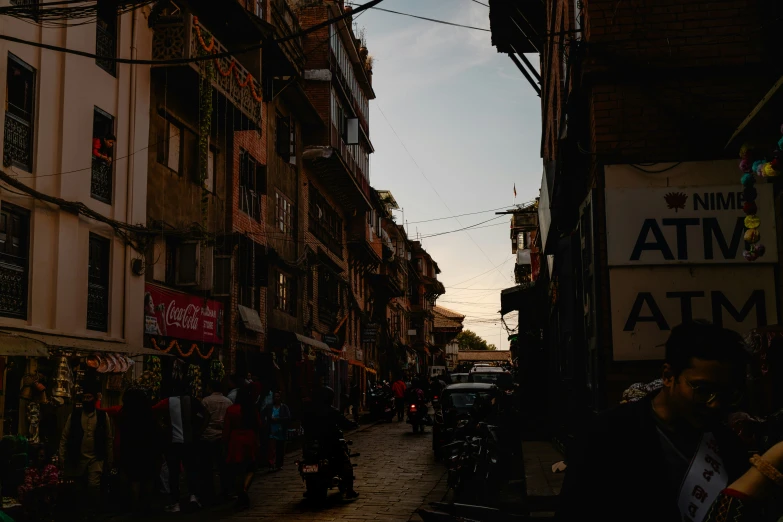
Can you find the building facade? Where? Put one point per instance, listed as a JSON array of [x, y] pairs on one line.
[[622, 89]]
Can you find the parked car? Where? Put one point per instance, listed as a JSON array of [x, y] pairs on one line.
[[457, 378], [493, 375], [456, 402]]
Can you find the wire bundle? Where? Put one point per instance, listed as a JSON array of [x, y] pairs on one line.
[[65, 13]]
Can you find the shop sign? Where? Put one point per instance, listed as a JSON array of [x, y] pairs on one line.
[[370, 332], [647, 302], [678, 225], [181, 316], [331, 340]]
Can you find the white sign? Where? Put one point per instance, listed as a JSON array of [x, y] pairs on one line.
[[679, 225], [647, 302]]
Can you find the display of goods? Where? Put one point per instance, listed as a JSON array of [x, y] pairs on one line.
[[194, 380], [152, 376], [217, 371]]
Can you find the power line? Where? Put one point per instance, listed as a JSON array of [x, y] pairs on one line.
[[480, 3], [429, 19], [458, 215], [433, 186], [193, 59], [425, 236]]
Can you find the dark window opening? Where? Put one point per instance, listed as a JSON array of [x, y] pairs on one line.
[[106, 36], [98, 284], [328, 295], [103, 145], [14, 260], [325, 223], [247, 275], [19, 113], [252, 182]]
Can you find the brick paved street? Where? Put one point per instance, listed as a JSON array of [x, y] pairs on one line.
[[396, 474]]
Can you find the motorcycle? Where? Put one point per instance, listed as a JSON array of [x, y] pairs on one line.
[[320, 468], [418, 416], [475, 461], [381, 402]]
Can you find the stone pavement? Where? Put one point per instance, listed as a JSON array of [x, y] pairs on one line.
[[396, 474], [543, 485]]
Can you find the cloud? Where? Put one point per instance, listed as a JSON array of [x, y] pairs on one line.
[[424, 54]]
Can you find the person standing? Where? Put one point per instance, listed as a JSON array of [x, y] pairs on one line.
[[240, 436], [139, 444], [276, 417], [398, 389], [669, 455], [185, 419], [210, 447], [86, 443], [355, 398]]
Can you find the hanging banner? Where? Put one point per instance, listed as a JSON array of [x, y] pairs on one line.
[[169, 313]]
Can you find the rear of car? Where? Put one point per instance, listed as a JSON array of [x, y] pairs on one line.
[[455, 406], [497, 376]]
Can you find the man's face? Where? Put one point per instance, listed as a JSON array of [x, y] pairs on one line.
[[109, 143], [703, 394]]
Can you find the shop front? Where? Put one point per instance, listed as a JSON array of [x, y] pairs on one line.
[[42, 378], [188, 328]]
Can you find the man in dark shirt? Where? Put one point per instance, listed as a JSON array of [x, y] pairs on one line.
[[636, 462]]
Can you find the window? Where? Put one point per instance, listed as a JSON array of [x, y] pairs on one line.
[[222, 276], [14, 260], [187, 272], [103, 143], [284, 214], [170, 145], [328, 294], [106, 36], [246, 275], [19, 108], [98, 284], [310, 283], [259, 8], [324, 222], [252, 182], [285, 140], [284, 293]]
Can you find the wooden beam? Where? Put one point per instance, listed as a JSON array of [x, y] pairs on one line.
[[775, 88]]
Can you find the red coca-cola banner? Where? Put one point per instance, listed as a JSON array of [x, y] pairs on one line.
[[177, 315]]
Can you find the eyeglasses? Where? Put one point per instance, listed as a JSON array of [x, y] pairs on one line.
[[706, 394]]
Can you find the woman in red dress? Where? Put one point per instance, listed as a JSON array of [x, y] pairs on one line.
[[240, 433]]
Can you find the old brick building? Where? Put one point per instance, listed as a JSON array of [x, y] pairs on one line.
[[639, 99]]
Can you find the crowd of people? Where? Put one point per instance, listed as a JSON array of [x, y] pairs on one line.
[[219, 441]]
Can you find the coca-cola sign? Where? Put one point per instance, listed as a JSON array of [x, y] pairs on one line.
[[177, 315]]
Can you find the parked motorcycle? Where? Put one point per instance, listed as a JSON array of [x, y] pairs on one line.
[[418, 417], [381, 403], [474, 464], [321, 468]]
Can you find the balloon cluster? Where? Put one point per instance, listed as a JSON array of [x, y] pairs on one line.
[[751, 170]]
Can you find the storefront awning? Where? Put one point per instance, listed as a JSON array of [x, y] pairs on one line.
[[250, 319], [37, 344], [14, 345], [312, 342]]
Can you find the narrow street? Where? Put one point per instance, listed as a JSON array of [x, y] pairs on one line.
[[396, 474]]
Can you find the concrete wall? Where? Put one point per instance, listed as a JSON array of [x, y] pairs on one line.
[[68, 88]]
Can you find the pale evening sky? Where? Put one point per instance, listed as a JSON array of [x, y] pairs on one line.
[[471, 123]]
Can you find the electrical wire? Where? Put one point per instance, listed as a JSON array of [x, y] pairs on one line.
[[192, 59], [480, 3], [429, 19], [458, 215], [421, 171], [424, 236]]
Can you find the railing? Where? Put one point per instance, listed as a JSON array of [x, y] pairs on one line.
[[353, 166], [101, 180], [105, 46], [97, 307], [18, 142], [343, 69], [13, 290], [287, 25], [180, 39]]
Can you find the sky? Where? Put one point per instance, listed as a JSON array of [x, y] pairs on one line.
[[455, 126]]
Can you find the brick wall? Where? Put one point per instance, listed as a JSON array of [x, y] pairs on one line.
[[242, 224]]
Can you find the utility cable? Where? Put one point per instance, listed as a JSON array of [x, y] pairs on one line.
[[433, 186], [428, 19], [458, 215], [193, 59]]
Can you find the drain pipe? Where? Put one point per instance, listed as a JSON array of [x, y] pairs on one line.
[[129, 175]]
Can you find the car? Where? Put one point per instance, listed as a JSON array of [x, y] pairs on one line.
[[497, 376], [487, 368], [457, 378], [455, 404]]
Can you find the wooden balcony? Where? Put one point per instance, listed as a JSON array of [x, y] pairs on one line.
[[364, 245], [179, 38], [286, 24]]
